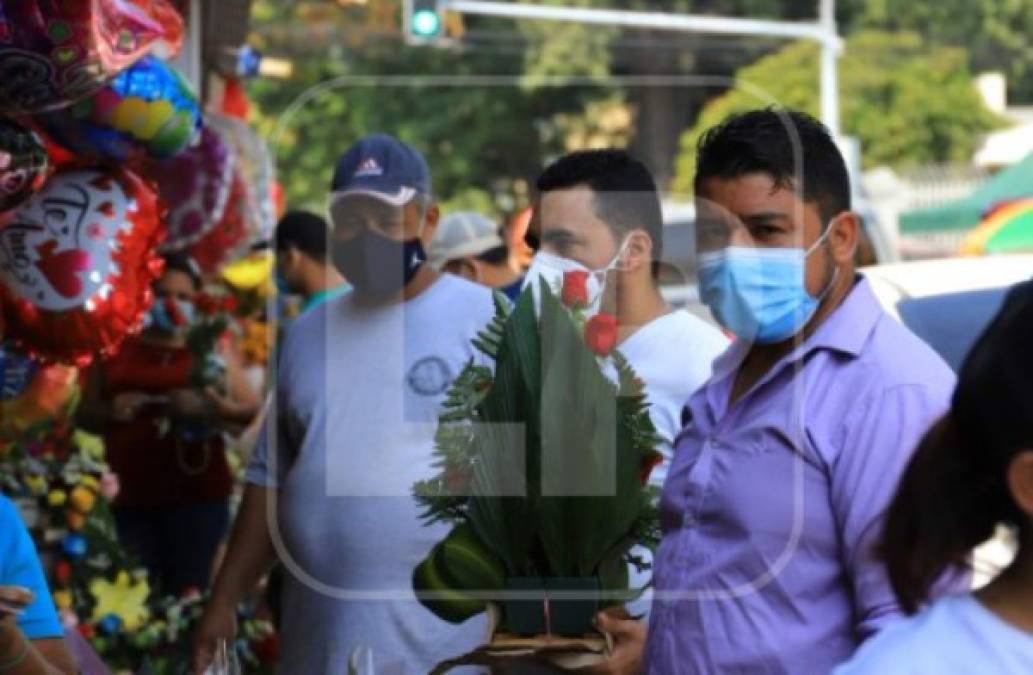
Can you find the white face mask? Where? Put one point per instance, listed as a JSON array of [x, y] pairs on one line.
[[551, 268]]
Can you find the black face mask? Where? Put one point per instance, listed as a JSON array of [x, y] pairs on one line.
[[377, 265]]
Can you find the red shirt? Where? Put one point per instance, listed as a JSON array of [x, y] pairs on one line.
[[156, 462]]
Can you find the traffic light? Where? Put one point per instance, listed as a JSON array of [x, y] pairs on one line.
[[423, 20]]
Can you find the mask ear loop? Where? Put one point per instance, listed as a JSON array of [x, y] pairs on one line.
[[601, 273], [835, 272]]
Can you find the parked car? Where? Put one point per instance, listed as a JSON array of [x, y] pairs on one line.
[[948, 302]]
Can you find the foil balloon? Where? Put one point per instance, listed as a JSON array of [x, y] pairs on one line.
[[229, 238], [56, 52], [195, 186], [256, 167], [76, 264], [23, 164], [147, 110]]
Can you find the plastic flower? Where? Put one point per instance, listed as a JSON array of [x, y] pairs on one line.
[[649, 462], [109, 485], [83, 499], [57, 498], [575, 288], [601, 334], [63, 599], [125, 598]]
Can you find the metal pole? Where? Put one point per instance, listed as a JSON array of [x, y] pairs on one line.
[[684, 23], [829, 75]]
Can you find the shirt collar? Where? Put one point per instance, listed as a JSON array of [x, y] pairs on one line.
[[324, 295], [846, 330]]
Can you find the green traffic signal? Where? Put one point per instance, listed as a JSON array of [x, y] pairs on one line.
[[426, 23]]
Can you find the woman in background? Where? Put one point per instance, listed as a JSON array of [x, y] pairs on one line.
[[972, 472], [163, 438]]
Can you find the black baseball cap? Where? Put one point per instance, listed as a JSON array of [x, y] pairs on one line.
[[382, 167]]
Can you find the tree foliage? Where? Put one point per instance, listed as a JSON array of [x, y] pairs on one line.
[[995, 32], [909, 104]]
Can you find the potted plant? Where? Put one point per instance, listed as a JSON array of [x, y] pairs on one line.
[[543, 459]]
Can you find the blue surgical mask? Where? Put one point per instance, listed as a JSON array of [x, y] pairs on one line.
[[759, 293], [170, 315]]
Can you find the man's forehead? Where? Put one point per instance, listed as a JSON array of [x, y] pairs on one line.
[[746, 194]]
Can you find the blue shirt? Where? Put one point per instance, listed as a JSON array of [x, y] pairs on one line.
[[772, 504], [19, 566], [955, 636]]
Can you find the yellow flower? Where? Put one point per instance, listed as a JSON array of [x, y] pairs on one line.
[[90, 482], [125, 599], [63, 599], [57, 497], [37, 484]]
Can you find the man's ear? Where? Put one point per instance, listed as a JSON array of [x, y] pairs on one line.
[[1020, 481], [430, 223], [638, 252], [844, 237]]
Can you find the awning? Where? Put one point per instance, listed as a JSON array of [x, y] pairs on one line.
[[1012, 183]]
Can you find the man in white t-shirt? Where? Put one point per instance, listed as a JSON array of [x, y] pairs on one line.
[[361, 381], [599, 210]]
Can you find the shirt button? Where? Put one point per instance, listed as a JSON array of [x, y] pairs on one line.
[[690, 521]]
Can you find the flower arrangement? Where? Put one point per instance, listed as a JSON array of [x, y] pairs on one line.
[[542, 462], [63, 488]]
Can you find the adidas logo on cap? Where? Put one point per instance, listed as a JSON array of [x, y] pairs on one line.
[[369, 167]]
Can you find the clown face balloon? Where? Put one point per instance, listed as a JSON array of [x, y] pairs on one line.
[[76, 263]]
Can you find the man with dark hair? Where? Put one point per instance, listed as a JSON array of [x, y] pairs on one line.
[[470, 245], [792, 450], [598, 211], [303, 264]]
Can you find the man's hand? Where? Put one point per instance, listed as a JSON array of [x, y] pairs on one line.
[[218, 623], [629, 637]]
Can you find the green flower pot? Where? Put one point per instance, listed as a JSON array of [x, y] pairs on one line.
[[568, 616]]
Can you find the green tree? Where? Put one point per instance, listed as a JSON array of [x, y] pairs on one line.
[[995, 32], [909, 104], [484, 142]]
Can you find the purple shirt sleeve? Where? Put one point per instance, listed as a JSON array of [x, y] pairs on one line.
[[886, 429]]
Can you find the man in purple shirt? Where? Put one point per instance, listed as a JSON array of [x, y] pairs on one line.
[[793, 449]]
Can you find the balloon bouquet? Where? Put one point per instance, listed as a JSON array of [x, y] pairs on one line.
[[105, 162]]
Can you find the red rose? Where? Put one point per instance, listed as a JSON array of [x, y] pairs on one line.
[[230, 303], [601, 333], [575, 288], [62, 572], [207, 304], [649, 463], [267, 649]]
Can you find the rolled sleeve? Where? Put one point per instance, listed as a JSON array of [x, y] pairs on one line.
[[878, 444], [20, 566]]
